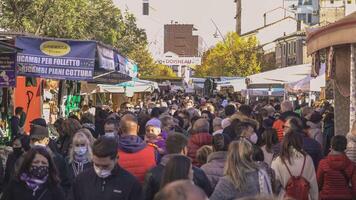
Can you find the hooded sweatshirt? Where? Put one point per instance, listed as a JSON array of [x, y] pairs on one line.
[[136, 156], [335, 172]]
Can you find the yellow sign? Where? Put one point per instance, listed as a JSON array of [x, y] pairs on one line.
[[55, 48]]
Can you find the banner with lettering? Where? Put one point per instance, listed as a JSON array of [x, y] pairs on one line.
[[56, 58], [7, 69]]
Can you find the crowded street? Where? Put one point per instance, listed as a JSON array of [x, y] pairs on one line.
[[178, 100]]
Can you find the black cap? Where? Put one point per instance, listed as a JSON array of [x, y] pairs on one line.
[[38, 132], [39, 122]]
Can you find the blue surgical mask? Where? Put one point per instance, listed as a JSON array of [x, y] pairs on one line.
[[80, 151]]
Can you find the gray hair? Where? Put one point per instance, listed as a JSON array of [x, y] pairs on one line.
[[286, 106], [201, 126]]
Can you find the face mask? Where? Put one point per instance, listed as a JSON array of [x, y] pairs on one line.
[[80, 151], [110, 134], [102, 173], [253, 138], [38, 145], [39, 172]]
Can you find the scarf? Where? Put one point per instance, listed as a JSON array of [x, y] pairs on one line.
[[33, 183], [78, 166]]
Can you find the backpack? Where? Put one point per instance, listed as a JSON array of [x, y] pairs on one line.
[[297, 186]]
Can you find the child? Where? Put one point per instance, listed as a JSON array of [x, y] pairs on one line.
[[154, 136]]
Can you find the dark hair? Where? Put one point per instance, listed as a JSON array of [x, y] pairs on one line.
[[18, 110], [87, 118], [316, 117], [180, 190], [156, 112], [221, 142], [180, 121], [296, 124], [246, 110], [239, 128], [339, 143], [264, 112], [104, 147], [269, 138], [25, 142], [177, 168], [53, 179], [175, 143], [230, 110], [110, 121], [291, 139], [258, 154], [70, 126]]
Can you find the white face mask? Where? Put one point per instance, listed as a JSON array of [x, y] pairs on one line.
[[38, 144], [253, 138], [102, 173], [80, 151], [110, 134]]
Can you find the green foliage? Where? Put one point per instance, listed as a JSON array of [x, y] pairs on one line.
[[79, 19], [235, 56]]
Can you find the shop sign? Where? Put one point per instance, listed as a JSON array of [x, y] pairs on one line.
[[7, 69]]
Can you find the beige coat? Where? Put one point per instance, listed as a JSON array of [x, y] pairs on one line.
[[283, 176]]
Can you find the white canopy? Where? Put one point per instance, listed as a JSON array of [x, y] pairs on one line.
[[134, 86], [308, 84], [238, 84]]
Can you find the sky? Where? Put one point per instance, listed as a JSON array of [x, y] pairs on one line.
[[197, 12]]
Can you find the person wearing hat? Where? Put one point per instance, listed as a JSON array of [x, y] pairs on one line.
[[314, 124], [39, 121], [42, 122], [153, 135], [39, 136]]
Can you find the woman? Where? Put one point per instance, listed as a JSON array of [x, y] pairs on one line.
[[269, 140], [36, 179], [179, 167], [293, 161], [69, 127], [243, 177], [80, 155], [208, 116]]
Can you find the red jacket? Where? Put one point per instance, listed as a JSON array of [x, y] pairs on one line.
[[332, 183], [195, 142], [138, 163]]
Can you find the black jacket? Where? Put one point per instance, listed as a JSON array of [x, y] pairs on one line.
[[18, 190], [14, 126], [120, 185], [153, 180], [70, 170], [10, 167], [62, 171]]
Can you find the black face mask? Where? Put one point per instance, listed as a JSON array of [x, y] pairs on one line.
[[18, 151], [39, 172]]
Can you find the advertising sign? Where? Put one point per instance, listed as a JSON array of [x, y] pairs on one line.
[[7, 69], [56, 59], [106, 58], [180, 61]]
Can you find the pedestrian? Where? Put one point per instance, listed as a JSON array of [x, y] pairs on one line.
[[179, 167], [200, 137], [36, 179], [88, 121], [203, 153], [217, 126], [328, 131], [15, 123], [287, 111], [181, 190], [314, 131], [336, 173], [269, 142], [242, 176], [176, 144], [111, 128], [106, 180], [154, 136], [80, 156], [208, 116], [70, 127], [294, 161], [351, 145], [134, 155], [214, 168]]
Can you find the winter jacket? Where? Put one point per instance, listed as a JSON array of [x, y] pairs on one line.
[[136, 156], [214, 168], [225, 190], [351, 147], [195, 142], [278, 124], [331, 177], [15, 127], [328, 133], [11, 162], [153, 179], [70, 169], [315, 132], [295, 167], [120, 185], [17, 190]]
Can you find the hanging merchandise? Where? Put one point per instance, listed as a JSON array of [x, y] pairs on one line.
[[7, 70], [73, 101]]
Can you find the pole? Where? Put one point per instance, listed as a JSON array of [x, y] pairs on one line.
[[238, 16], [352, 86], [217, 28]]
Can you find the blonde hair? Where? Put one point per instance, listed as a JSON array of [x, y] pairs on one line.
[[80, 137], [203, 153], [88, 134], [239, 162]]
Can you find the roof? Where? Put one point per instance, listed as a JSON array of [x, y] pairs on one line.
[[337, 33], [295, 34], [6, 47]]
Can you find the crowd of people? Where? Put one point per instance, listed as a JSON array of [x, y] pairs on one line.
[[184, 148]]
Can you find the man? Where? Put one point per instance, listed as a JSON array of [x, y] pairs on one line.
[[181, 190], [111, 128], [200, 137], [15, 123], [39, 136], [336, 173], [106, 180], [287, 111], [42, 122], [134, 154], [176, 144], [217, 128]]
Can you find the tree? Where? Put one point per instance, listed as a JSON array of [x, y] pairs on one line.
[[79, 19], [235, 56]]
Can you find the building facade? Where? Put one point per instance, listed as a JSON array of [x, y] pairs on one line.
[[333, 10], [179, 39]]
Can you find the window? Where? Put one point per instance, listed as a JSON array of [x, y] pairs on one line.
[[309, 18]]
